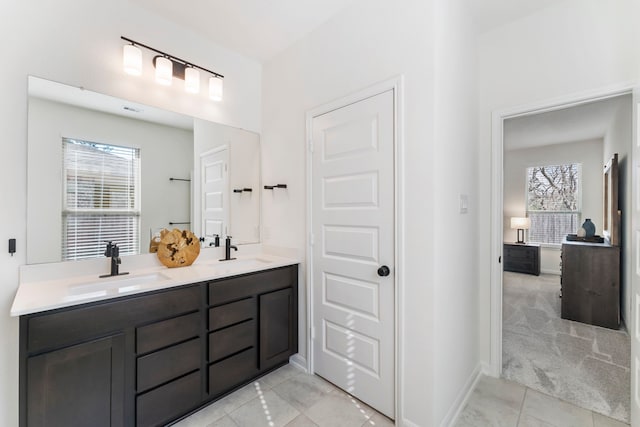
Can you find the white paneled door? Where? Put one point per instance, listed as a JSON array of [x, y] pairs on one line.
[[215, 192], [635, 276], [352, 220]]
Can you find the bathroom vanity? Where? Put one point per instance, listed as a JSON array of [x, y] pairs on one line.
[[151, 357]]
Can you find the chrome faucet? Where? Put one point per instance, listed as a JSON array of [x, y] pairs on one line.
[[112, 250], [227, 249]]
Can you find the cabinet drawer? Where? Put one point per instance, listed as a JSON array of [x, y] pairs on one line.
[[231, 372], [230, 340], [235, 288], [75, 324], [162, 334], [169, 401], [235, 312], [520, 253], [164, 365]]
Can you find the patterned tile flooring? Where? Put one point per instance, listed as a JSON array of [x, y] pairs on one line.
[[582, 364], [287, 397], [502, 403]]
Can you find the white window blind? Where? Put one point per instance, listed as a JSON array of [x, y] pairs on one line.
[[553, 201], [101, 199]]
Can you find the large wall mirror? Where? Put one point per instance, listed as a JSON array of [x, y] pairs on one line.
[[105, 168]]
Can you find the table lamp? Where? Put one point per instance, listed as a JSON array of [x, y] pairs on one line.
[[520, 224]]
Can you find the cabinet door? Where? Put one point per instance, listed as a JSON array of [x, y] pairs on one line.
[[277, 341], [81, 385]]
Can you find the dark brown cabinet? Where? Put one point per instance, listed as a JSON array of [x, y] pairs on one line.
[[80, 385], [591, 283], [252, 325], [522, 258], [277, 342], [150, 359]]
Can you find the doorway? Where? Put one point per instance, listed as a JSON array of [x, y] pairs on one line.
[[353, 250], [549, 280]]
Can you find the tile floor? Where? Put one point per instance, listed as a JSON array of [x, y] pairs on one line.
[[287, 397], [499, 402]]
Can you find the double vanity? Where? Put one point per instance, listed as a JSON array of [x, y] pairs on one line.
[[150, 347]]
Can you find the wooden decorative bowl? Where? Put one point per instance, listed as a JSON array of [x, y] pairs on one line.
[[178, 248]]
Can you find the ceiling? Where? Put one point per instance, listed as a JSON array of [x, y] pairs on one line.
[[580, 123], [260, 29]]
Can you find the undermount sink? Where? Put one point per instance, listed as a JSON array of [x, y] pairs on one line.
[[119, 284], [241, 264]]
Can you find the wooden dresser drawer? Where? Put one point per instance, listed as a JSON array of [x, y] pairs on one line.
[[235, 312], [165, 365], [68, 326], [169, 401], [233, 371], [167, 332], [234, 288], [231, 340]]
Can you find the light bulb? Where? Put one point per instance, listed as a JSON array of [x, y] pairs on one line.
[[164, 71], [191, 80], [132, 60], [215, 88]]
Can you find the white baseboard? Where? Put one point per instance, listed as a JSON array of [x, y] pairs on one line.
[[554, 272], [407, 423], [299, 362], [455, 410], [488, 370]]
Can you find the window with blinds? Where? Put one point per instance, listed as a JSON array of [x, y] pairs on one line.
[[101, 199], [553, 201]]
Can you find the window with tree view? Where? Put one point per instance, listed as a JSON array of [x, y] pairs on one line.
[[101, 198], [553, 202]]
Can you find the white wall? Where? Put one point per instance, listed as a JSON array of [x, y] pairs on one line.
[[516, 162], [572, 47], [618, 139], [455, 282], [371, 41], [164, 152], [78, 43]]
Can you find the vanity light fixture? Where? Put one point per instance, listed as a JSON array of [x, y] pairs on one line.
[[168, 66], [164, 70], [132, 59], [191, 80]]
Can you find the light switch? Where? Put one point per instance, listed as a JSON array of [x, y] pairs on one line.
[[464, 203]]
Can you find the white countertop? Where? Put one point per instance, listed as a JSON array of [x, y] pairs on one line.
[[49, 286]]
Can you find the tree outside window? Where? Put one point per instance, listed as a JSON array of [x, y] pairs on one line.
[[553, 201]]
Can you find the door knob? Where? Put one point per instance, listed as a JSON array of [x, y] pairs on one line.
[[383, 271]]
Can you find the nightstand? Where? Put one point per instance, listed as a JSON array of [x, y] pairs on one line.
[[522, 258]]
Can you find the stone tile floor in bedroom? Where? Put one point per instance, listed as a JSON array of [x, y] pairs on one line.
[[499, 402], [287, 397]]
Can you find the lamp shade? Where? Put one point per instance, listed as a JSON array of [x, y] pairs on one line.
[[132, 60], [191, 80], [164, 71], [520, 223], [215, 88]]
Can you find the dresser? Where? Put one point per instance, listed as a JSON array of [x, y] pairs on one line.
[[590, 283], [522, 258]]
